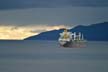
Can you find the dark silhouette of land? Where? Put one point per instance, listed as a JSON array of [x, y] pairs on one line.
[[93, 32]]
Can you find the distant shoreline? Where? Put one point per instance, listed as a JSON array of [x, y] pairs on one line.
[[52, 40]]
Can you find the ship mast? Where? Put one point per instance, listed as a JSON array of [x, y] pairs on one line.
[[74, 34], [79, 36], [82, 38]]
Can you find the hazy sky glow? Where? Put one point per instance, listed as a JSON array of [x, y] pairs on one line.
[[23, 18], [21, 32]]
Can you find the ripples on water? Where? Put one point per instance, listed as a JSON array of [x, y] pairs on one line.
[[48, 56]]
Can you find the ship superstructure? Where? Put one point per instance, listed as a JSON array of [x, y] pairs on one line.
[[69, 39]]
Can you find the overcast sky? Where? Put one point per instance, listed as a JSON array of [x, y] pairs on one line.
[[53, 12], [54, 16], [14, 4]]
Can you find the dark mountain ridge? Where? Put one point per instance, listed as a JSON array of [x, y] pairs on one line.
[[94, 32]]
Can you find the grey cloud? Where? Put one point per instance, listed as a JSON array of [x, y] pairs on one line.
[[17, 4], [54, 16]]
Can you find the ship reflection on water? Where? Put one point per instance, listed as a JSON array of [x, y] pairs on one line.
[[73, 40]]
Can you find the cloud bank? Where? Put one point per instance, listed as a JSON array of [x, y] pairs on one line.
[[18, 4], [54, 16]]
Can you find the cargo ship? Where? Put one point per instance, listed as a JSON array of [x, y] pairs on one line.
[[73, 40]]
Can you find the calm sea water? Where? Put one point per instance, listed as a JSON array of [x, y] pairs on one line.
[[48, 56]]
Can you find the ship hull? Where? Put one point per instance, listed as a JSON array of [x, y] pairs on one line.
[[74, 44], [67, 44]]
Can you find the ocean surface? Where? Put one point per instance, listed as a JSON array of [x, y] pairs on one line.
[[48, 56]]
